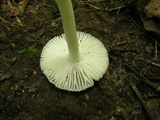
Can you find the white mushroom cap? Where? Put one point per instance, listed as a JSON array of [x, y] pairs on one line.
[[74, 76]]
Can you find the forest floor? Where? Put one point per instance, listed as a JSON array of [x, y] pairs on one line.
[[129, 90]]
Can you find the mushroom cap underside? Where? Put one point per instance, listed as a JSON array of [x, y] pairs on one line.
[[74, 76]]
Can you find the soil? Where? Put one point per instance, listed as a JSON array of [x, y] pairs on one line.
[[129, 90]]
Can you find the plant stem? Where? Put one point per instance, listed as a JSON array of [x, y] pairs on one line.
[[69, 26]]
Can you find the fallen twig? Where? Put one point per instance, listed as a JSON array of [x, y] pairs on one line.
[[110, 10], [120, 43], [144, 79], [93, 6], [136, 91], [153, 63], [4, 23], [156, 51]]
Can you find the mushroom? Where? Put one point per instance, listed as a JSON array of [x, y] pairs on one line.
[[73, 60]]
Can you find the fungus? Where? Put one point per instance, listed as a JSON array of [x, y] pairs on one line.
[[73, 60]]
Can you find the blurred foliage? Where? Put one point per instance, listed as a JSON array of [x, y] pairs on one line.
[[53, 3], [128, 2], [113, 4]]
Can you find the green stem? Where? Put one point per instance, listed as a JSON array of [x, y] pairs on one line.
[[69, 26]]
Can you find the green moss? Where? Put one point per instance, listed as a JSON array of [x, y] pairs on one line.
[[32, 51]]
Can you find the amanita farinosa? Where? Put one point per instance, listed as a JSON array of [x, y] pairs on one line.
[[73, 60]]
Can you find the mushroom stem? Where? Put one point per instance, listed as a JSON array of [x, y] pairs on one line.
[[69, 26]]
